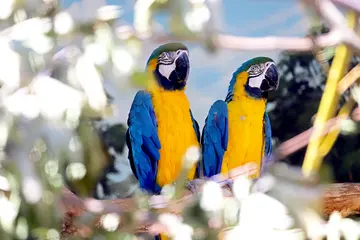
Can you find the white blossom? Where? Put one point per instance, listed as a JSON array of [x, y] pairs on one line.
[[97, 52], [212, 198], [50, 93], [32, 189], [123, 60], [192, 155], [142, 17], [177, 229], [9, 211], [350, 229], [241, 187], [261, 210], [6, 8], [9, 65], [197, 17], [76, 171], [63, 23], [110, 221], [91, 81], [108, 12], [333, 227]]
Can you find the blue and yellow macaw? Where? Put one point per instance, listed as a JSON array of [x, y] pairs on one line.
[[161, 124], [238, 131]]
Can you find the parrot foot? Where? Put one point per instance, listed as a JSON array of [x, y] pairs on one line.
[[195, 185]]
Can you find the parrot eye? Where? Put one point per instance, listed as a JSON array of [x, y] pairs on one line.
[[167, 58], [256, 70]]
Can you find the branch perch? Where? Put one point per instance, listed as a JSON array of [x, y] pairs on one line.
[[342, 197]]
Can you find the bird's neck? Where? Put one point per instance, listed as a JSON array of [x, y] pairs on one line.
[[155, 88], [152, 83], [155, 84], [242, 92]]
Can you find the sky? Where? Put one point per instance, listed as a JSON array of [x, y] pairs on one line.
[[210, 73]]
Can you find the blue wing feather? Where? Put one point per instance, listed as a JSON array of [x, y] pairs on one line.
[[215, 138], [197, 132], [196, 126], [268, 144], [143, 141], [268, 134]]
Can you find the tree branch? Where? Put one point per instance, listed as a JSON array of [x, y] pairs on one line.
[[327, 10], [243, 43], [342, 197], [301, 140], [339, 33], [299, 44], [350, 4]]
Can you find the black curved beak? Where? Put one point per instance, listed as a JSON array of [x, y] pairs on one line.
[[182, 67], [271, 81]]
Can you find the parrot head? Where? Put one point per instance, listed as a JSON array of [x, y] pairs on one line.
[[262, 74], [259, 76], [170, 65]]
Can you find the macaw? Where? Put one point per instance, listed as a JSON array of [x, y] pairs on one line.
[[161, 126], [238, 131]]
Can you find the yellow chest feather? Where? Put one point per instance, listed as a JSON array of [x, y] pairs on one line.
[[175, 131], [246, 134]]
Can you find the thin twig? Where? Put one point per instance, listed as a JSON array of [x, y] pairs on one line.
[[276, 43], [337, 21], [349, 79], [243, 43], [301, 140], [350, 4]]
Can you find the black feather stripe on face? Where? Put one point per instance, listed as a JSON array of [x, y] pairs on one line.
[[168, 47], [172, 67]]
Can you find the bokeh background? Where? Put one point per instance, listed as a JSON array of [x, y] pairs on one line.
[[291, 108]]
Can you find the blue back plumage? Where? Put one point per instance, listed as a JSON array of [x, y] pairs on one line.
[[268, 134], [215, 138], [268, 144], [143, 141]]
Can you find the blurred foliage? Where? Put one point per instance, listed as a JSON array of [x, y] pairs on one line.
[[302, 80], [117, 181]]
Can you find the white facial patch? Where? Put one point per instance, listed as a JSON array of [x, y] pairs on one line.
[[166, 70], [255, 82]]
